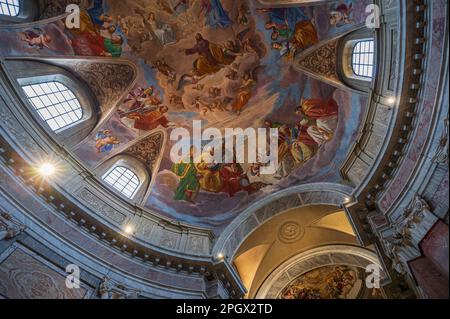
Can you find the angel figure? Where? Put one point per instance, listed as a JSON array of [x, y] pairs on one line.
[[181, 7], [176, 100], [239, 45], [123, 24], [244, 94], [286, 48], [340, 15], [243, 13], [36, 37], [187, 79], [165, 69], [164, 6], [202, 106], [105, 142]]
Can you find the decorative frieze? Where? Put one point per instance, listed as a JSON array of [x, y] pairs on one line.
[[100, 206]]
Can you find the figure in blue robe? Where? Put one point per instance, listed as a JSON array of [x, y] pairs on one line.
[[96, 11], [216, 16], [289, 16]]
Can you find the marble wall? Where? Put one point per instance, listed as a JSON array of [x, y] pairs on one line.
[[25, 275]]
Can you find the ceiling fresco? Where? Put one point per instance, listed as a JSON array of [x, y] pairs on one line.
[[329, 282], [226, 63]]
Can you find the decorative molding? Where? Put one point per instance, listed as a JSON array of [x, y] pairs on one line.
[[320, 61], [100, 206], [441, 156], [10, 123], [197, 245], [52, 8], [169, 239]]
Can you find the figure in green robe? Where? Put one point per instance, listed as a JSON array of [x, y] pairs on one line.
[[113, 45], [189, 184]]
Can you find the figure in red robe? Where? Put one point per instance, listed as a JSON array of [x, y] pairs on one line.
[[318, 108], [325, 115], [234, 180], [147, 118], [231, 178], [88, 43]]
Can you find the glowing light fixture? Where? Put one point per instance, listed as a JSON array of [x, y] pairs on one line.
[[46, 169], [129, 229], [220, 256], [391, 100]]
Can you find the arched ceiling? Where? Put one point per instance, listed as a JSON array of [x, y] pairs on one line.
[[290, 233], [216, 91]]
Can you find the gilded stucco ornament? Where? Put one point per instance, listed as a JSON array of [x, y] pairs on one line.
[[290, 232]]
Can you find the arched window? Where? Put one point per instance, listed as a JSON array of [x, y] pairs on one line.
[[356, 62], [55, 103], [9, 8], [363, 59], [123, 180]]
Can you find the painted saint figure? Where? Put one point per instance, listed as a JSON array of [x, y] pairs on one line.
[[148, 119], [292, 30], [295, 147], [163, 32], [235, 180], [189, 185], [324, 113], [211, 58], [215, 15], [96, 38]]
